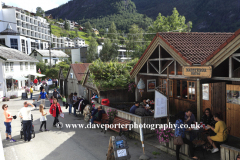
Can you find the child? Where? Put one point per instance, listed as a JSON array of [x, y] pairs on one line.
[[51, 100], [34, 103], [63, 100], [43, 118]]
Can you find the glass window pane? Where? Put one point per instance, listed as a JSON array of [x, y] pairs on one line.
[[184, 89], [193, 84], [190, 84]]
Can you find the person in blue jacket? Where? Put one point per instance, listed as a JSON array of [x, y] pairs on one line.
[[134, 107], [97, 114]]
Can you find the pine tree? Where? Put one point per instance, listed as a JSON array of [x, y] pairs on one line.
[[112, 32], [66, 25]]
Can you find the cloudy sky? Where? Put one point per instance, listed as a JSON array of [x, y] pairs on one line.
[[31, 5]]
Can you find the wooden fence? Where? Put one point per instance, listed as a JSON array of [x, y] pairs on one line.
[[228, 152]]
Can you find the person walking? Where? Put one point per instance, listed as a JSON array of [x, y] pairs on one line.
[[55, 111], [31, 91], [43, 95], [55, 93], [43, 118], [7, 122], [70, 103], [25, 114], [75, 99]]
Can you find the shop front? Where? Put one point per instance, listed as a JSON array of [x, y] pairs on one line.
[[195, 70]]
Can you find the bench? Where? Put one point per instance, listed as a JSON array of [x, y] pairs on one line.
[[118, 120], [228, 152], [104, 120]]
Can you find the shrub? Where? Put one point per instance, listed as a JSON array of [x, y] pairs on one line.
[[111, 113], [5, 99], [164, 135], [13, 96]]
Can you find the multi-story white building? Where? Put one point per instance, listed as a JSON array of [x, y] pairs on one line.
[[78, 42], [34, 31], [58, 42], [68, 42]]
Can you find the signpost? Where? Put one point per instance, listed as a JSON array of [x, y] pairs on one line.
[[197, 71], [144, 156]]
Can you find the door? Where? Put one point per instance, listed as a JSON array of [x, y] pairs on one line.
[[206, 96], [219, 99], [233, 108]]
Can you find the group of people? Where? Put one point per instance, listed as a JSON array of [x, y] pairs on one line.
[[142, 109], [215, 134]]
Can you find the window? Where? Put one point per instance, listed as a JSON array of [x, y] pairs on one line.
[[2, 41], [46, 61], [23, 46], [26, 66], [14, 43], [7, 66], [11, 66], [163, 88], [31, 66], [27, 47], [191, 90], [21, 66]]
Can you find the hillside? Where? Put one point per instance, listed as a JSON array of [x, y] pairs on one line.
[[101, 13], [206, 15]]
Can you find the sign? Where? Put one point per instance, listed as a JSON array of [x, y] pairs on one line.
[[205, 92], [151, 85], [122, 153], [160, 106], [197, 71], [120, 148]]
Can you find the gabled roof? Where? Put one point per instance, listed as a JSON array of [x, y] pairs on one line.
[[80, 70], [54, 53], [14, 55], [192, 48]]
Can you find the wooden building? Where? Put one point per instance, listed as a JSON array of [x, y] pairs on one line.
[[204, 72]]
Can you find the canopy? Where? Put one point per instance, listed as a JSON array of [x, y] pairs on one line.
[[37, 74], [20, 78]]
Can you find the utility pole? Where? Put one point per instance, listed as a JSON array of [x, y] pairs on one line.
[[50, 47]]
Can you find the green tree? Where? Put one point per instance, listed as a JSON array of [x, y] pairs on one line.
[[39, 11], [43, 67], [175, 22], [92, 50], [66, 25], [52, 72], [112, 32], [109, 50], [88, 26], [76, 32]]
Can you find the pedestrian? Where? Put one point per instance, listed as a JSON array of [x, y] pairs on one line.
[[43, 118], [70, 103], [43, 95], [55, 110], [35, 81], [51, 100], [75, 101], [31, 91], [55, 93], [31, 83], [7, 122], [63, 100], [25, 114], [41, 88], [34, 103], [46, 88]]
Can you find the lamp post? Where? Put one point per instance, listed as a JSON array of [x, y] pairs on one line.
[[50, 47]]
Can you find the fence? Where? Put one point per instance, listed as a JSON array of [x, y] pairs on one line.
[[228, 152]]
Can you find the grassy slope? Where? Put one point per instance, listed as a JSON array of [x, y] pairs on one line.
[[57, 31]]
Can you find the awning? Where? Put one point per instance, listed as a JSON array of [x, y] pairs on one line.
[[37, 74], [19, 78]]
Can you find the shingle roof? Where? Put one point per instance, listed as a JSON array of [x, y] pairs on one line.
[[13, 54], [80, 70], [195, 47], [9, 31], [54, 53]]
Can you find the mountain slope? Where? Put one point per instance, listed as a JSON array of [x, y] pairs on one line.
[[206, 15]]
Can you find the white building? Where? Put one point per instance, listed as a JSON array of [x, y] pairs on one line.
[[78, 42], [68, 42], [15, 66], [58, 42], [43, 55], [34, 31]]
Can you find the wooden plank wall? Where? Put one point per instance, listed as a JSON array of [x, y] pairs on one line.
[[219, 99], [120, 95], [228, 152], [177, 105], [233, 113]]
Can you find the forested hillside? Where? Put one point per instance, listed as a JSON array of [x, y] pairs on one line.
[[206, 15]]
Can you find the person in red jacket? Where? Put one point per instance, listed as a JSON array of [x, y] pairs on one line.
[[55, 111], [35, 81]]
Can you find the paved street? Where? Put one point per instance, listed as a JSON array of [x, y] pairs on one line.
[[83, 144]]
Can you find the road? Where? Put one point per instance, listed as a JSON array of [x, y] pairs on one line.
[[83, 144]]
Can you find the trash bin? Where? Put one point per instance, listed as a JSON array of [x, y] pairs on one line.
[[105, 102]]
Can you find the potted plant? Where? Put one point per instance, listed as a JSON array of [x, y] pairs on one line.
[[13, 96], [5, 99], [164, 135], [111, 113]]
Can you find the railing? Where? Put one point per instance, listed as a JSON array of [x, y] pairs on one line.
[[229, 152]]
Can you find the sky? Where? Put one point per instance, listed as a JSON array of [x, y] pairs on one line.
[[31, 5]]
